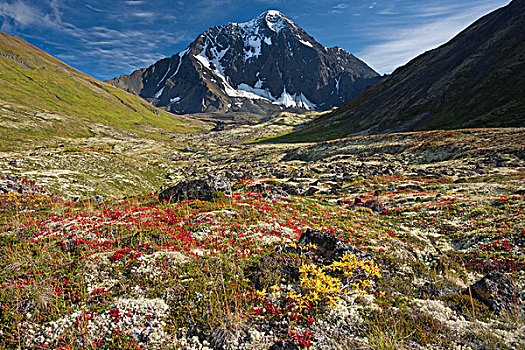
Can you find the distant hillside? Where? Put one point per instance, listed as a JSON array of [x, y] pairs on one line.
[[477, 79], [42, 97]]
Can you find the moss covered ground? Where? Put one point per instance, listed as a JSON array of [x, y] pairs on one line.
[[114, 273]]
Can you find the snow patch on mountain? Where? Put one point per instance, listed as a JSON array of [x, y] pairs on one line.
[[300, 101], [202, 58], [306, 43], [264, 93], [159, 93], [181, 55], [166, 74], [218, 71], [217, 57], [275, 20], [254, 43], [285, 100]]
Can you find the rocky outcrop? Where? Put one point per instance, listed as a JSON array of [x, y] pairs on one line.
[[499, 293], [205, 189], [261, 67]]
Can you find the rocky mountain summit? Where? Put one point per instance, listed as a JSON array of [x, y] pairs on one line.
[[261, 66], [477, 79]]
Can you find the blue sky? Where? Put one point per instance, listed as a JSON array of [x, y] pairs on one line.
[[109, 38]]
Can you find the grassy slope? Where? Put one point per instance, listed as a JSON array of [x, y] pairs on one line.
[[499, 112], [34, 83]]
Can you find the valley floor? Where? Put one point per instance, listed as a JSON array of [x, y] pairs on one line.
[[91, 259]]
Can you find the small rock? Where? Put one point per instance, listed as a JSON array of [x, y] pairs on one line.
[[220, 126], [499, 293], [290, 189], [329, 246], [217, 338], [432, 289], [310, 192], [374, 205]]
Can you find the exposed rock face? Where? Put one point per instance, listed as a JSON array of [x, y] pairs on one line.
[[329, 246], [477, 79], [498, 292], [17, 185], [203, 189], [261, 66]]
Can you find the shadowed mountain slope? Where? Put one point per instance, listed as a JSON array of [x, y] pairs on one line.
[[477, 79]]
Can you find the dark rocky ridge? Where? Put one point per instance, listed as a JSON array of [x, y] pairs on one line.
[[477, 79], [261, 67]]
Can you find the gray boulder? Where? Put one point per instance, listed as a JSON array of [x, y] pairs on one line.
[[205, 189], [329, 247], [499, 293], [284, 345]]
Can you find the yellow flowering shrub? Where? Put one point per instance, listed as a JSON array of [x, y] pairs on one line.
[[321, 284], [17, 201]]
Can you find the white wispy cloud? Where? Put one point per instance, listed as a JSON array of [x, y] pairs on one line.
[[126, 49], [340, 6], [144, 14], [94, 8], [397, 46], [24, 14]]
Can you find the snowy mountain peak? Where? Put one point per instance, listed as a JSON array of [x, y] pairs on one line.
[[275, 20], [272, 14], [272, 19], [261, 66]]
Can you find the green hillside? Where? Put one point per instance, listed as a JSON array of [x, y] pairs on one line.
[[41, 97]]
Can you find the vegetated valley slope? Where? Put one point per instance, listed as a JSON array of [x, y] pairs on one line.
[[76, 135], [477, 79], [259, 67], [405, 241], [42, 97]]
